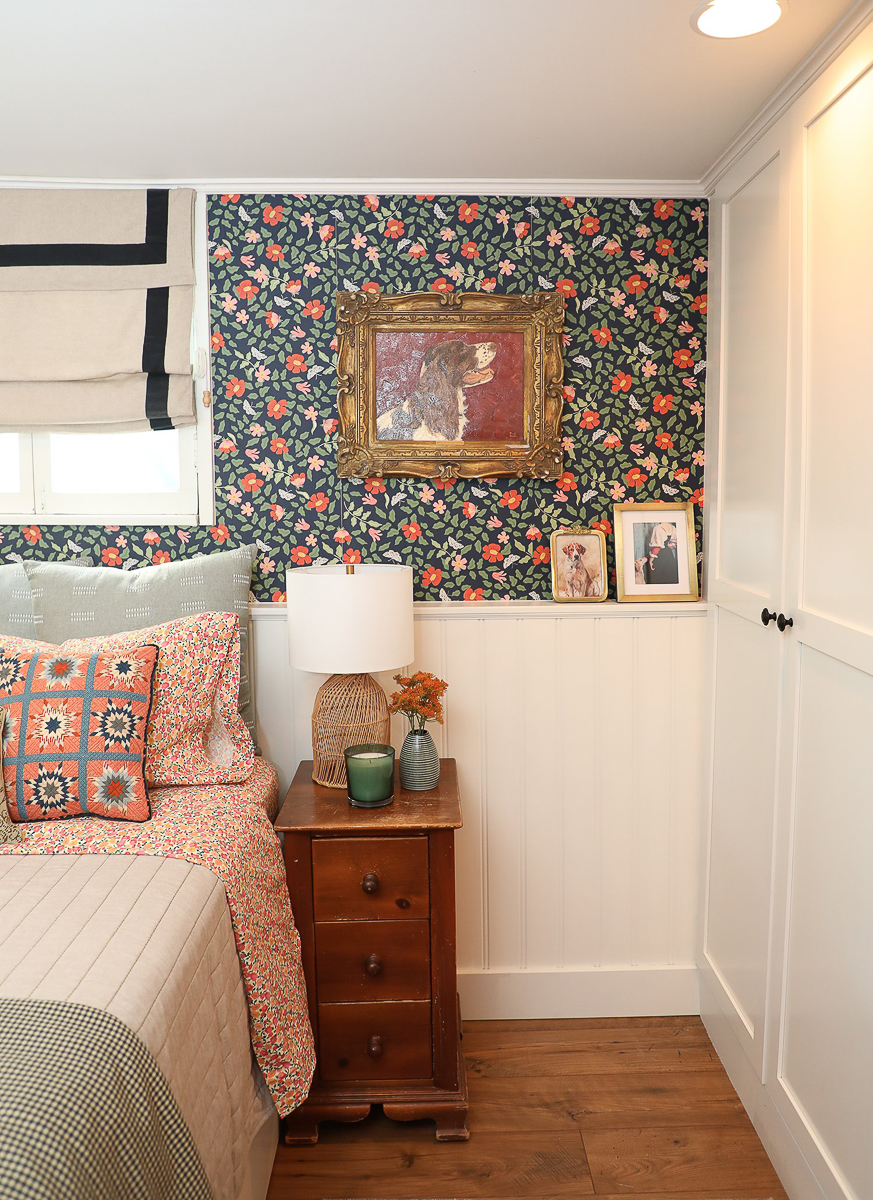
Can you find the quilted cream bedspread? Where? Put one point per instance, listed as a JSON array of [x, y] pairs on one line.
[[149, 940]]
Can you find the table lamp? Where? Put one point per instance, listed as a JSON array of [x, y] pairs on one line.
[[346, 623]]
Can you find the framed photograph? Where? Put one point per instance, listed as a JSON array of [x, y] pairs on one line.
[[457, 384], [578, 564], [655, 555]]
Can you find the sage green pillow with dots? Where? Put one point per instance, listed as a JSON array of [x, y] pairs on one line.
[[79, 602], [9, 831]]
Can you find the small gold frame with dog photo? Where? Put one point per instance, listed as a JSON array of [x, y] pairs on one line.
[[450, 384], [655, 552], [578, 565]]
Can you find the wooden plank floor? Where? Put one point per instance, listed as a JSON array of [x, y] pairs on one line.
[[621, 1107]]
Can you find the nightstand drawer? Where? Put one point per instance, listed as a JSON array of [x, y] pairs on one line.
[[359, 879], [372, 960], [375, 1041]]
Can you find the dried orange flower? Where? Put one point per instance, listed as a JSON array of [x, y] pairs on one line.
[[419, 698]]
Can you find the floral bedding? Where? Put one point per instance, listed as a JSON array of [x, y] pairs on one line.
[[227, 829]]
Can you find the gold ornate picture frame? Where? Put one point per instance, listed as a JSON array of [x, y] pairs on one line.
[[655, 552], [458, 384], [578, 556]]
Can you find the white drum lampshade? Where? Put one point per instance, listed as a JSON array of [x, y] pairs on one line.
[[346, 625]]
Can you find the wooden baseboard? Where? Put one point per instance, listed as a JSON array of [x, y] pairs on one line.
[[600, 992]]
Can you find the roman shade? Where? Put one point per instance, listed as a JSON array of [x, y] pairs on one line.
[[96, 296]]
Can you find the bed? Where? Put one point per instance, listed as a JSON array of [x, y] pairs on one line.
[[176, 932]]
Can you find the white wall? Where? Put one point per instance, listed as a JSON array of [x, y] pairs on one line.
[[578, 735]]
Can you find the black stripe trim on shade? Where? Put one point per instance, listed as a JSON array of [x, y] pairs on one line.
[[155, 334], [157, 401], [154, 342], [153, 249]]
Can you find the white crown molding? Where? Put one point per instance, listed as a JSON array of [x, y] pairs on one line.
[[855, 20], [677, 189]]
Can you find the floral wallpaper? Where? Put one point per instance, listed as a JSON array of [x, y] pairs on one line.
[[633, 274]]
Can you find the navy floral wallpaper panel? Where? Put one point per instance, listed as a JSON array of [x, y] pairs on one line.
[[633, 274]]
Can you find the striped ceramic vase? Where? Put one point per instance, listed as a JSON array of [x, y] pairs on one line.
[[419, 762]]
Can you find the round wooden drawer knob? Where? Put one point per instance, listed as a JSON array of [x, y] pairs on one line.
[[374, 1046], [370, 883], [373, 965]]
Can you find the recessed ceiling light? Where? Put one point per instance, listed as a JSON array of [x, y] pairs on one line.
[[736, 18]]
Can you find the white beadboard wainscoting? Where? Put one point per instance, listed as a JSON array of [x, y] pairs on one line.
[[578, 735]]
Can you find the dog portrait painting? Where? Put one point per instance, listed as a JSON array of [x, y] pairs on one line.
[[578, 564], [449, 387]]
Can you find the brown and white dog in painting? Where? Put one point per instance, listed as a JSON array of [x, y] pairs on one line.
[[578, 580], [436, 410]]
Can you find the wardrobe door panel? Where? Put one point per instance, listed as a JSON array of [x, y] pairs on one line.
[[827, 1043], [752, 435], [837, 567], [741, 830]]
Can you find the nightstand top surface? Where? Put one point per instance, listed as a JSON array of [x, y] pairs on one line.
[[309, 806]]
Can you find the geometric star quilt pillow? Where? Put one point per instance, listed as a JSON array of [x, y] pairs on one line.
[[74, 731]]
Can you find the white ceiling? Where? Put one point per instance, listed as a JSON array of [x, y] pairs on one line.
[[215, 90]]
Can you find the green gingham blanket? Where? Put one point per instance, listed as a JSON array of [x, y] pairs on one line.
[[85, 1113]]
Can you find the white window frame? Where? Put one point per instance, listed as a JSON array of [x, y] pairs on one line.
[[193, 504], [17, 502]]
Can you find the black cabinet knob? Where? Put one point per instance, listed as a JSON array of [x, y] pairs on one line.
[[370, 883], [374, 1046], [783, 622], [767, 617], [373, 965]]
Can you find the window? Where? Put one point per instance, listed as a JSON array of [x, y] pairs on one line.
[[84, 478], [139, 478]]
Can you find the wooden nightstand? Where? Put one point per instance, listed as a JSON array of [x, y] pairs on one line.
[[373, 894]]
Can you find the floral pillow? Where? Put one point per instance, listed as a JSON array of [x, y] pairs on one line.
[[195, 733], [74, 731]]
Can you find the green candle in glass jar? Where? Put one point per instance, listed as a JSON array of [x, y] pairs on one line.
[[370, 772]]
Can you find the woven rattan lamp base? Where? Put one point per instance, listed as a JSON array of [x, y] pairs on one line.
[[349, 710]]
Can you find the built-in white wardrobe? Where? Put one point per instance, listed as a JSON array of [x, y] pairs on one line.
[[786, 949]]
